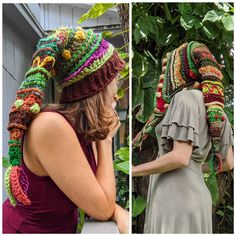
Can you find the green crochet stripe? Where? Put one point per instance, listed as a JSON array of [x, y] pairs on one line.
[[75, 56], [51, 37], [165, 97], [94, 67], [191, 63], [87, 54], [36, 70], [17, 142], [8, 186], [34, 80], [52, 45], [15, 155]]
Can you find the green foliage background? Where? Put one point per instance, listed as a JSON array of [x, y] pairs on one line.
[[161, 27]]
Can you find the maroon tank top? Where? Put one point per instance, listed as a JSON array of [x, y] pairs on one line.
[[51, 211]]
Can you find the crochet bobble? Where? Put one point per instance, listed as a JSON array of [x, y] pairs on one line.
[[28, 101]]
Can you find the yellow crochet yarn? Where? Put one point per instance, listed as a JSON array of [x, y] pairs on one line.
[[66, 54], [79, 35]]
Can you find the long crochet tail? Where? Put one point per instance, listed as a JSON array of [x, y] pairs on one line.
[[153, 120]]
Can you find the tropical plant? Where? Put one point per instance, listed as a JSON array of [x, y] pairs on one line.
[[156, 29]]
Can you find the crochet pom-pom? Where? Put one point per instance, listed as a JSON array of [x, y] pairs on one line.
[[35, 109], [158, 94], [79, 35], [66, 54], [19, 103]]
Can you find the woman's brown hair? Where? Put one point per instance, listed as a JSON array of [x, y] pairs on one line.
[[92, 116]]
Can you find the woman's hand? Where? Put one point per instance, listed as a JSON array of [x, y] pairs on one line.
[[115, 125], [121, 217]]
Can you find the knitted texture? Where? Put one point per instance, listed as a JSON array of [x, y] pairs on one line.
[[81, 63], [192, 64]]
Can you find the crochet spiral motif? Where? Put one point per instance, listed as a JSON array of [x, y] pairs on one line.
[[69, 56], [191, 64]]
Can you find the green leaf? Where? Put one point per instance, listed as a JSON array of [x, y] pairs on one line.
[[187, 21], [140, 65], [123, 153], [123, 55], [5, 162], [81, 221], [146, 25], [140, 31], [137, 92], [213, 16], [138, 206], [120, 33], [97, 10], [120, 93], [149, 102], [220, 213], [228, 22], [210, 30], [223, 6], [212, 185], [123, 166], [186, 8], [230, 207], [107, 34], [125, 71], [230, 114], [165, 35]]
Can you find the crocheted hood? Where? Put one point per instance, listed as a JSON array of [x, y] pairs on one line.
[[191, 64], [82, 63]]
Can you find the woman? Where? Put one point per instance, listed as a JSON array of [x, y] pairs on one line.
[[61, 157], [190, 127]]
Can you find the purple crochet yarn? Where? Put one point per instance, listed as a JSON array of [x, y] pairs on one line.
[[24, 182], [97, 54]]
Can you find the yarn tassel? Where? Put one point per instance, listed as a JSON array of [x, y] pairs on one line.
[[154, 119]]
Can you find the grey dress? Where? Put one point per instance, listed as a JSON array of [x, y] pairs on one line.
[[179, 201]]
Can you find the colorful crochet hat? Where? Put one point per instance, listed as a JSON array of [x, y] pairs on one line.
[[82, 64], [191, 64]]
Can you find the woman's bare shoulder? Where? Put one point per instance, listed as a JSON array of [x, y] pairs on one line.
[[50, 124]]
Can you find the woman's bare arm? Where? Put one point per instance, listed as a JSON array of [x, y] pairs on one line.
[[227, 163], [61, 155], [177, 158]]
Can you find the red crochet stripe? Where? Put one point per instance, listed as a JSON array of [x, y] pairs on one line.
[[16, 189]]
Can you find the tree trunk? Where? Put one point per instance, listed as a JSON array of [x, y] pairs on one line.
[[124, 18], [149, 153]]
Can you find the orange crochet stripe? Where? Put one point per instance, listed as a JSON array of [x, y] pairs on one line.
[[16, 188], [29, 90], [211, 70], [16, 134]]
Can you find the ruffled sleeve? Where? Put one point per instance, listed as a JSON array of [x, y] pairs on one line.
[[181, 121], [227, 138]]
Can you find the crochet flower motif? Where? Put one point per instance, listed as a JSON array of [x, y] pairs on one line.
[[79, 35], [66, 54]]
